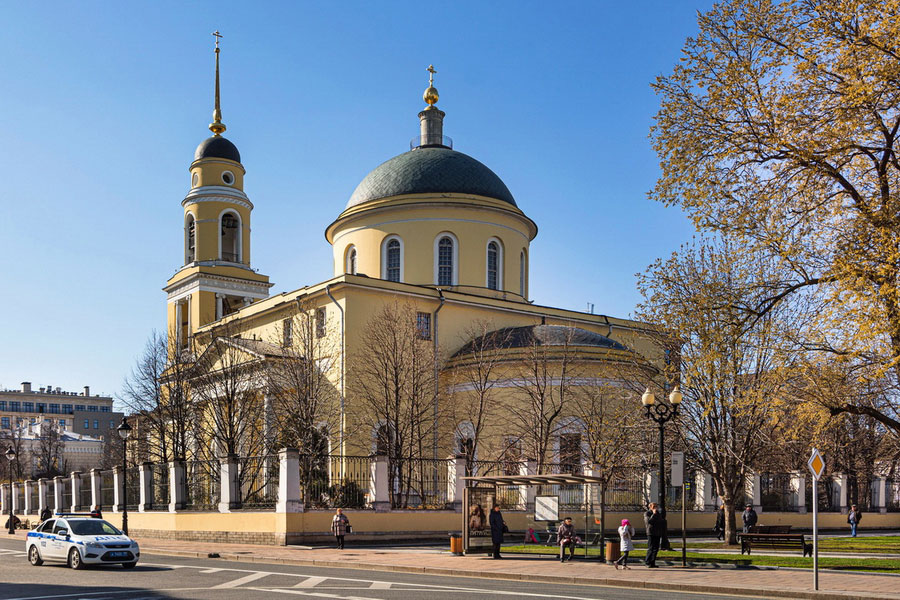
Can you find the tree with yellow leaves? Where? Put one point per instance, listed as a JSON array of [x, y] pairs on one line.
[[779, 127]]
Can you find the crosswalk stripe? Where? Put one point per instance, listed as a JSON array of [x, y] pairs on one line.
[[310, 582], [242, 580], [211, 571], [380, 585]]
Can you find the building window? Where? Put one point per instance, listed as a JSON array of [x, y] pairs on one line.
[[90, 408], [445, 261], [87, 424], [54, 409], [112, 424], [287, 333], [190, 242], [522, 274], [4, 422], [96, 424], [570, 453], [320, 322], [2, 404], [62, 423], [79, 407], [66, 408], [393, 259], [423, 325], [351, 261], [28, 406], [494, 264], [33, 420], [15, 406], [105, 409], [230, 239]]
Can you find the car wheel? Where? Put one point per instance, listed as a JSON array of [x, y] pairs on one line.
[[75, 559], [129, 565], [34, 557]]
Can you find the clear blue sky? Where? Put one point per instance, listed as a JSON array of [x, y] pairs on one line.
[[103, 103]]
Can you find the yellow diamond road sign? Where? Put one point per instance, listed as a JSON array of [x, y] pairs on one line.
[[816, 464]]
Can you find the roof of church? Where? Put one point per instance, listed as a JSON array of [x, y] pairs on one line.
[[540, 335], [434, 169], [217, 147]]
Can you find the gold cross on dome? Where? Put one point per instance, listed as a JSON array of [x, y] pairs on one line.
[[431, 70], [218, 36]]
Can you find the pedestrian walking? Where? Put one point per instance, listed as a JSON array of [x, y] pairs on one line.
[[853, 518], [655, 529], [340, 526], [720, 523], [566, 536], [749, 517], [498, 528], [626, 545]]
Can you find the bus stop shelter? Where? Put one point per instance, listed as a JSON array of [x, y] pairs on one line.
[[519, 494]]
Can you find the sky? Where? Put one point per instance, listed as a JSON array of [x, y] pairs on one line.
[[103, 103]]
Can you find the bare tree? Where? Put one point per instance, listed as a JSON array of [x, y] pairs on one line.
[[393, 377], [50, 461]]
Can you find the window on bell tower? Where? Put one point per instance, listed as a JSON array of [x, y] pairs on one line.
[[494, 265], [190, 242], [230, 242]]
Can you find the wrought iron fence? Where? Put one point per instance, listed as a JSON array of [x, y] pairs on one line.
[[85, 498], [132, 487], [67, 494], [159, 486], [335, 481], [258, 481], [201, 484], [626, 490], [107, 490], [20, 497], [829, 494], [892, 492], [418, 482], [34, 497]]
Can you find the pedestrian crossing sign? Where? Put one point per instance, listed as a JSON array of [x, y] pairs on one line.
[[816, 464]]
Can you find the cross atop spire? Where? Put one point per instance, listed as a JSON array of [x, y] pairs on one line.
[[217, 126], [431, 94], [431, 72]]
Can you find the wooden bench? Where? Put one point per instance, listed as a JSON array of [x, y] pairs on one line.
[[793, 541]]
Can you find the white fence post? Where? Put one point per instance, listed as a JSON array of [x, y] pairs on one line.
[[42, 495], [456, 485], [289, 481], [379, 482], [229, 494], [840, 492], [118, 489], [75, 486], [29, 509], [145, 497], [95, 489], [176, 485], [59, 494], [4, 498]]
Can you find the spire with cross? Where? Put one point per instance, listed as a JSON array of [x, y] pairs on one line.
[[431, 94], [217, 126]]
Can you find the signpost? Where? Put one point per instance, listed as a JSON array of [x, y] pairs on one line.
[[817, 467]]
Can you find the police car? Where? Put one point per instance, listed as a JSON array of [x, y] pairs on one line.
[[79, 540]]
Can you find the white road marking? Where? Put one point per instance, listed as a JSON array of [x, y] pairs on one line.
[[314, 594], [310, 582], [246, 579], [380, 585], [211, 571]]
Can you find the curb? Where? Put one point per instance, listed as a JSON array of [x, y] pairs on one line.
[[598, 582]]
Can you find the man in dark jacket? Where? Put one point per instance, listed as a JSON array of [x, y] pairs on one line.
[[498, 528], [655, 528], [45, 513], [566, 536], [749, 517], [720, 523]]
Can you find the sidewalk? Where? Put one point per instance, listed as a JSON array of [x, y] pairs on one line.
[[765, 582]]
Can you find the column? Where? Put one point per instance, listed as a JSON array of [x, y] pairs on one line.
[[840, 491], [42, 495], [29, 509], [879, 494], [118, 489], [289, 481], [798, 491], [527, 492], [379, 492], [230, 494], [75, 486], [706, 498], [4, 498], [176, 485], [219, 305], [15, 498], [456, 485], [95, 489], [145, 496], [59, 494]]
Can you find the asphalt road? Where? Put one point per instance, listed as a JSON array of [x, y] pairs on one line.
[[159, 577]]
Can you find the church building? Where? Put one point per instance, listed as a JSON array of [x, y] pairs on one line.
[[433, 238]]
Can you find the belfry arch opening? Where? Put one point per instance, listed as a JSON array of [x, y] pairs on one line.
[[190, 239], [230, 237]]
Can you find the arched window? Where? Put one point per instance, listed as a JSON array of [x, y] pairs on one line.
[[230, 239], [445, 261], [522, 272], [494, 265], [351, 261], [190, 239], [392, 259]]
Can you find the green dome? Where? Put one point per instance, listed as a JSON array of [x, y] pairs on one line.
[[434, 170]]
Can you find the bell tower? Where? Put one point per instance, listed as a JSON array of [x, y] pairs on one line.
[[215, 279]]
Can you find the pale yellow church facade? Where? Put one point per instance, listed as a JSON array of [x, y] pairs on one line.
[[433, 230]]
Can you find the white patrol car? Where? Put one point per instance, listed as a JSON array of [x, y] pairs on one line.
[[80, 540]]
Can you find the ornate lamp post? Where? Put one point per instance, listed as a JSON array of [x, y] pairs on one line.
[[11, 456], [124, 430], [662, 413]]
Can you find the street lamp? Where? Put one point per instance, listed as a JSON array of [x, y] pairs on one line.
[[11, 456], [662, 413], [124, 430]]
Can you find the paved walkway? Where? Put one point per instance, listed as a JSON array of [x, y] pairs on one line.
[[764, 582]]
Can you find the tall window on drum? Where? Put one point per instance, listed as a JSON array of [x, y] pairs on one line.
[[493, 266], [393, 260], [445, 261]]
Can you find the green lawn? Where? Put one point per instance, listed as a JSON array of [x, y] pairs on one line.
[[859, 545], [825, 562]]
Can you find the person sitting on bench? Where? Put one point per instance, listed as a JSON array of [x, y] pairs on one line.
[[566, 536]]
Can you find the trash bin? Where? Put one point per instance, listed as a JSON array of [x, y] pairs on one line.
[[456, 545], [612, 552]]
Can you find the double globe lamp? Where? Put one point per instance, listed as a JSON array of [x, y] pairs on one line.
[[662, 413]]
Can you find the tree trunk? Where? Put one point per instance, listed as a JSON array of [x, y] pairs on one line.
[[730, 522]]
